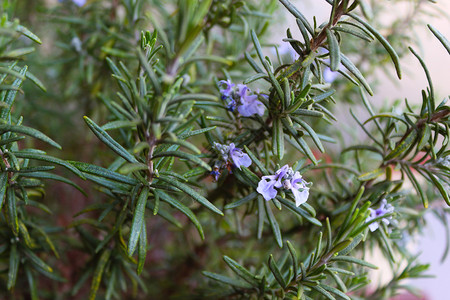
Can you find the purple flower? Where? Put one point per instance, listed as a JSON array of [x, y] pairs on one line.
[[239, 158], [231, 106], [240, 97], [267, 185], [298, 187], [231, 157], [228, 90], [250, 105], [292, 181], [384, 208]]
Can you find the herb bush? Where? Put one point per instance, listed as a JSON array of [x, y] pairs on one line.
[[201, 160]]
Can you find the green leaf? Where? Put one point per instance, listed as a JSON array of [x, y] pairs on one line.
[[188, 190], [23, 30], [439, 185], [354, 70], [120, 124], [109, 141], [242, 272], [31, 284], [14, 261], [335, 52], [311, 133], [142, 250], [3, 186], [273, 224], [276, 272], [416, 185], [227, 280], [45, 175], [296, 13], [184, 136], [102, 172], [47, 158], [98, 273], [353, 260], [383, 41], [403, 145], [425, 137], [184, 155], [12, 211], [36, 261], [294, 257], [278, 139], [138, 220], [308, 113], [256, 161], [371, 175], [355, 242], [298, 210], [150, 72], [182, 143], [182, 208], [300, 141], [322, 291], [440, 37], [11, 94], [242, 201], [28, 131], [335, 291]]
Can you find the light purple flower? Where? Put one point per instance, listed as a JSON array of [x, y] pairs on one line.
[[239, 158], [292, 181], [298, 187], [228, 90], [384, 208], [250, 105], [267, 185], [240, 97], [231, 157]]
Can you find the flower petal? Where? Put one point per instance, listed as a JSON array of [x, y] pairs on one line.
[[300, 196], [266, 188]]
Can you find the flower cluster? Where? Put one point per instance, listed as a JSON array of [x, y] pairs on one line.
[[284, 178], [384, 208], [240, 97], [231, 157]]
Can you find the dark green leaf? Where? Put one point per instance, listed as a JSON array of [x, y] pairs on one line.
[[241, 271], [196, 196], [227, 280], [138, 220], [276, 272], [184, 155], [109, 141], [98, 273]]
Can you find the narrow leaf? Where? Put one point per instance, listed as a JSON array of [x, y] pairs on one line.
[[138, 220], [109, 141]]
